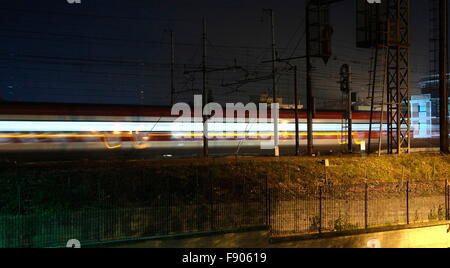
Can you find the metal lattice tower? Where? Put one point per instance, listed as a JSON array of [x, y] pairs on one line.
[[399, 113], [392, 15], [431, 85], [434, 36]]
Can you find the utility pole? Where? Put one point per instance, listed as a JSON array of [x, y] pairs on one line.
[[350, 116], [274, 81], [309, 95], [346, 90], [205, 92], [297, 130], [316, 21], [297, 120], [443, 71], [172, 69]]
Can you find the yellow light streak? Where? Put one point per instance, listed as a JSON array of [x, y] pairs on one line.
[[212, 134]]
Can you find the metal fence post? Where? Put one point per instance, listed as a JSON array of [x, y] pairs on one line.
[[166, 200], [366, 206], [407, 203], [197, 210], [446, 201], [320, 208], [244, 199], [19, 217], [211, 200], [102, 206], [267, 202], [19, 200]]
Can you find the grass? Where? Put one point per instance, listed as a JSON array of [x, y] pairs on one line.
[[311, 171], [285, 170]]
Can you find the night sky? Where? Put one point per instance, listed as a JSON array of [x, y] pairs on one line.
[[111, 51]]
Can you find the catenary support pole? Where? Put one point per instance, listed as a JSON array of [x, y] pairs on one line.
[[443, 74], [297, 120], [205, 92]]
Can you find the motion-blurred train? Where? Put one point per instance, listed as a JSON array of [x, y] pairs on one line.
[[35, 127]]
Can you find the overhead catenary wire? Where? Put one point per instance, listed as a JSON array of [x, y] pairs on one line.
[[131, 70]]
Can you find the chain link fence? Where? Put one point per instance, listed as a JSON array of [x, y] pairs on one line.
[[340, 208], [106, 210], [122, 205]]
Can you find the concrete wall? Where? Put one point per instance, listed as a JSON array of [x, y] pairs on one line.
[[424, 237]]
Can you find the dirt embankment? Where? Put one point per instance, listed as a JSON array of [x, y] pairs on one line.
[[298, 170], [31, 188]]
